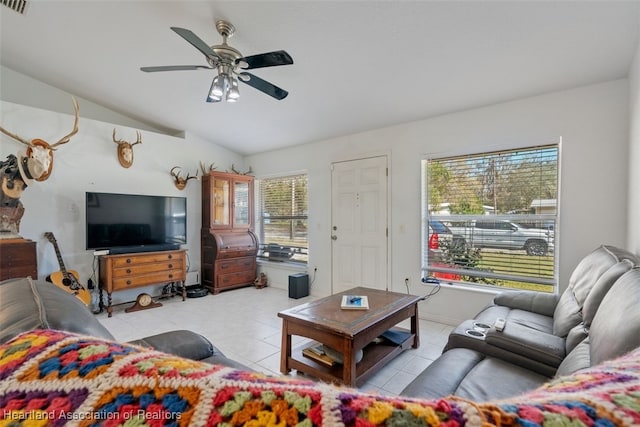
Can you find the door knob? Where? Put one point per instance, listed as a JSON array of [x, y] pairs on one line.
[[334, 237]]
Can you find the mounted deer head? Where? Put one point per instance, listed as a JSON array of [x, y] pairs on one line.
[[125, 149], [179, 181], [41, 151]]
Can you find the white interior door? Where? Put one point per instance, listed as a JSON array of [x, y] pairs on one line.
[[359, 232]]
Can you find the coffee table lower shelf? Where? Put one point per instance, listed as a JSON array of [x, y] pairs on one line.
[[374, 357]]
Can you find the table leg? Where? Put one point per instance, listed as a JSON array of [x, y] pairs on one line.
[[285, 352], [415, 328], [349, 364], [109, 308]]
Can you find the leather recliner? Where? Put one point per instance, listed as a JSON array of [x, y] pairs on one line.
[[27, 304], [541, 329], [555, 314], [613, 329]]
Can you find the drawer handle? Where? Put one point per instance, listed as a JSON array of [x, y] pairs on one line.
[[128, 260], [128, 271], [170, 276], [170, 256], [128, 282], [170, 265]]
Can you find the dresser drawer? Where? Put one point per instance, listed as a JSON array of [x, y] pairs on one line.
[[234, 265], [128, 271], [234, 279], [146, 258], [136, 269], [147, 279]]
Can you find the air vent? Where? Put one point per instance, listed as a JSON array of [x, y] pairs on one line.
[[19, 6]]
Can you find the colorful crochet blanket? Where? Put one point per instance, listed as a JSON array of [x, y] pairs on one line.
[[55, 378]]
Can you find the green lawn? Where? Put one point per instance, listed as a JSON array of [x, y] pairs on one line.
[[516, 263]]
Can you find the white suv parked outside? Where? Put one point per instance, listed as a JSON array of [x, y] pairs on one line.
[[507, 235]]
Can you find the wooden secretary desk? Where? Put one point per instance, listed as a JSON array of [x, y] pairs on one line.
[[228, 245]]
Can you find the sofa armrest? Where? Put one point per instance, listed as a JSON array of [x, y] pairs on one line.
[[181, 343], [536, 302], [530, 343]]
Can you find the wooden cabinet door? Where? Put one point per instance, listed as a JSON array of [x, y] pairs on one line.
[[227, 201]]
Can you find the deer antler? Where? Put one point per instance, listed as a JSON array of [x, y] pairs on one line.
[[16, 137], [120, 141], [249, 172], [205, 170], [68, 136], [138, 138], [63, 140]]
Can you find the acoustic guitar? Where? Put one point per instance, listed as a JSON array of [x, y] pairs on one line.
[[67, 280]]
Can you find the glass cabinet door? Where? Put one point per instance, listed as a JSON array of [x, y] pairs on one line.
[[221, 208], [241, 203]]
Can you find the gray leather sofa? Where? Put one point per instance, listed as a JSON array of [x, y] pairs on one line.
[[596, 319], [27, 304], [543, 328]]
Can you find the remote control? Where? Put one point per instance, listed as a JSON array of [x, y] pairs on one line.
[[499, 324]]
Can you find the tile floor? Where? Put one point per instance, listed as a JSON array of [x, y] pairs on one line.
[[244, 325]]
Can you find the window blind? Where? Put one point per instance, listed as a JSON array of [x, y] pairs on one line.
[[283, 216], [491, 218]]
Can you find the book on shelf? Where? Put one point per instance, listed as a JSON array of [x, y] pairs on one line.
[[316, 352], [355, 302], [396, 336]]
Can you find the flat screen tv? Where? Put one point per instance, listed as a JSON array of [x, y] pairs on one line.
[[125, 223]]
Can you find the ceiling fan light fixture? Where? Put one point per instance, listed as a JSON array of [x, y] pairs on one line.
[[213, 98], [217, 87], [233, 93], [230, 64]]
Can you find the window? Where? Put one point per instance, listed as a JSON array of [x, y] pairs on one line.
[[282, 218], [490, 218]]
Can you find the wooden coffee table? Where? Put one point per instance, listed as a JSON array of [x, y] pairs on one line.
[[348, 331]]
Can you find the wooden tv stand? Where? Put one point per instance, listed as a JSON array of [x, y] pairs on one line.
[[128, 271]]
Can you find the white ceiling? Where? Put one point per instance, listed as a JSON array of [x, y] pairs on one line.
[[358, 65]]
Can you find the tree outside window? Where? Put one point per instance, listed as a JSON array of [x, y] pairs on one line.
[[497, 216]]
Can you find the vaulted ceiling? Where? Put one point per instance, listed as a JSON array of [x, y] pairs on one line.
[[358, 65]]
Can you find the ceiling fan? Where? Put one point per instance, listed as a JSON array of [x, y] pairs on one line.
[[231, 65]]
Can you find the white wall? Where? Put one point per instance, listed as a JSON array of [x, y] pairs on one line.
[[89, 163], [24, 90], [592, 123], [634, 153]]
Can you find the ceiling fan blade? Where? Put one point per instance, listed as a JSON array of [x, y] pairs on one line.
[[196, 42], [266, 87], [174, 68], [269, 59]]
